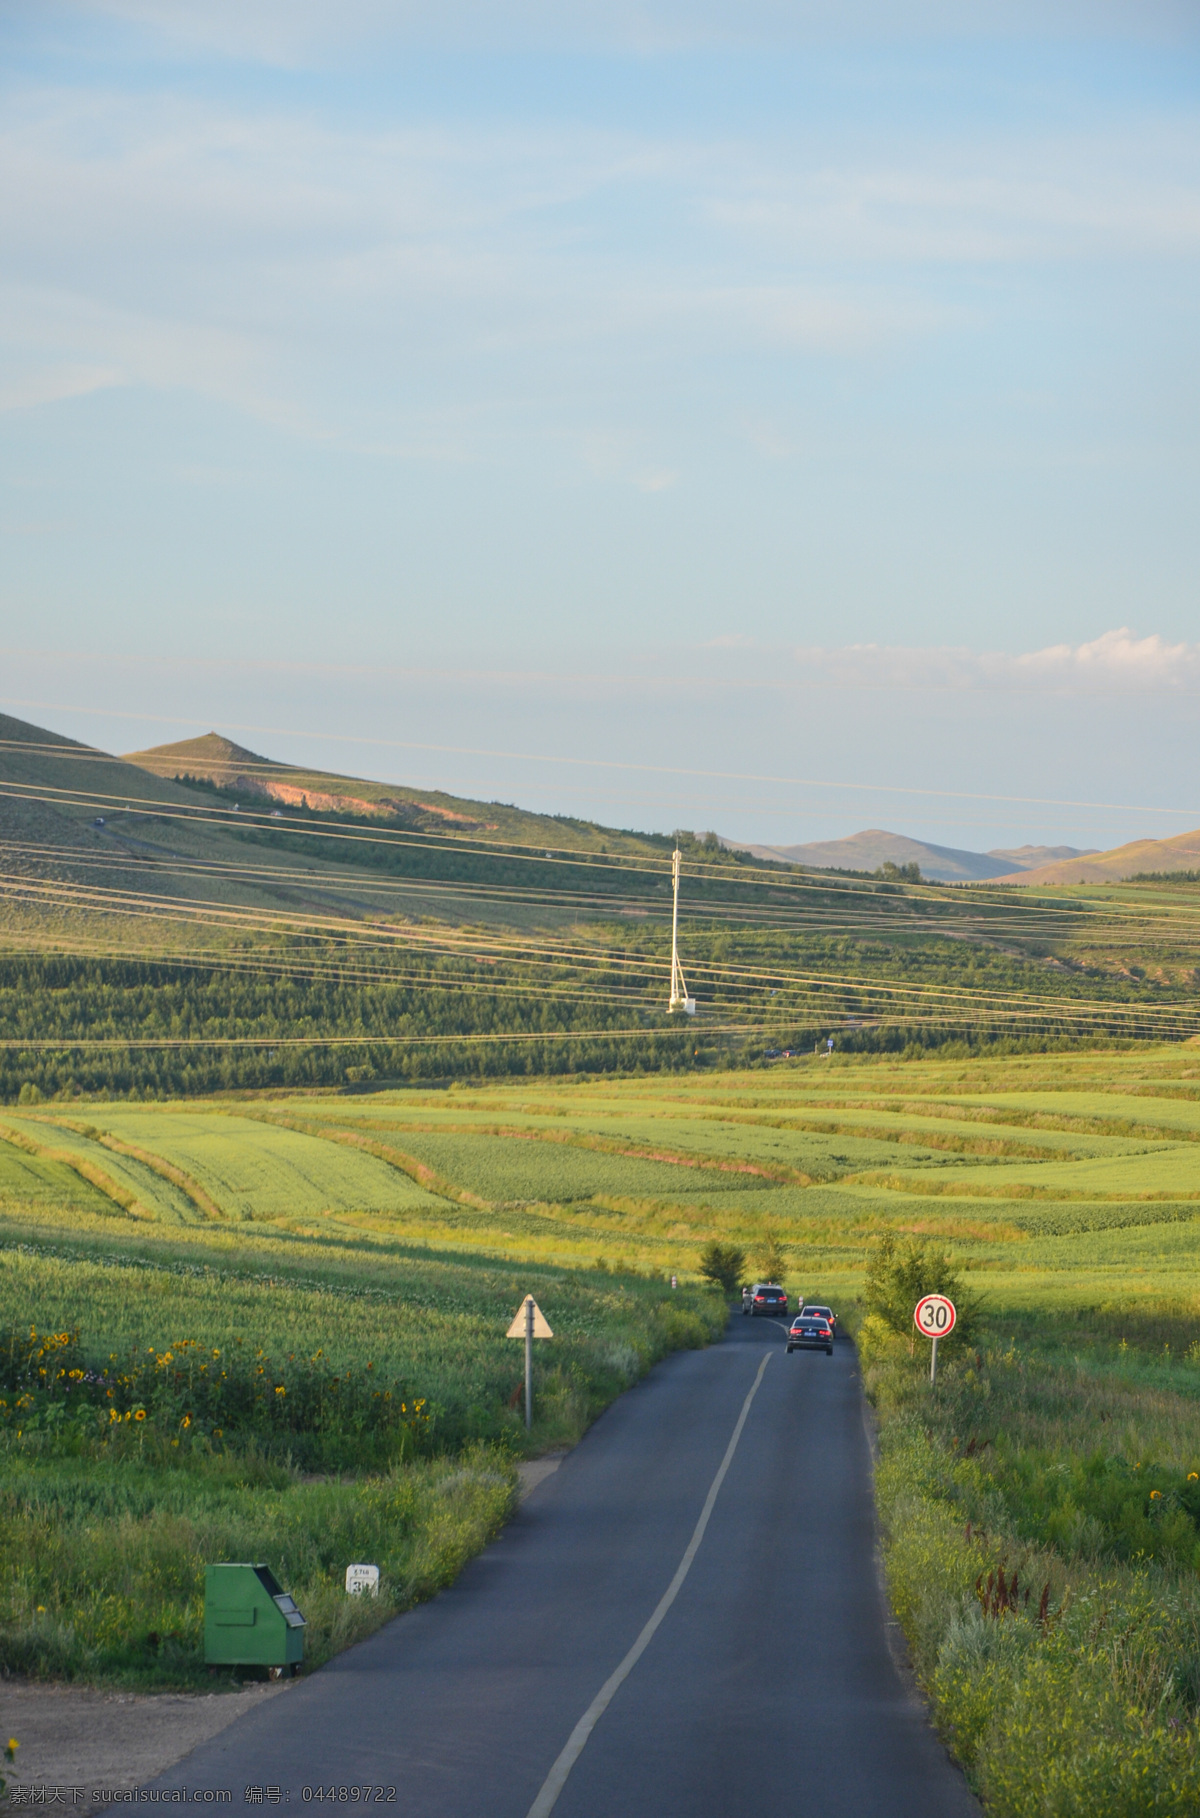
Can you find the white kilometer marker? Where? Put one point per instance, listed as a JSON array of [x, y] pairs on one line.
[[556, 1779]]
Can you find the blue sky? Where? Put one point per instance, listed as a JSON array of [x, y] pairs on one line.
[[776, 418]]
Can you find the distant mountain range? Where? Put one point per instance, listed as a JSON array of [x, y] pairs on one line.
[[1139, 858], [874, 847]]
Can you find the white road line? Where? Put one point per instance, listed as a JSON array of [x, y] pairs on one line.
[[556, 1779]]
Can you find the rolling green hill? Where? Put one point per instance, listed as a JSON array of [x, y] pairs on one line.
[[206, 919], [217, 761]]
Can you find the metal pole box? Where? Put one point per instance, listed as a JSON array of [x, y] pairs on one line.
[[249, 1620]]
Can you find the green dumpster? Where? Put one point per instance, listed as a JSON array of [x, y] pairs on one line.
[[249, 1619]]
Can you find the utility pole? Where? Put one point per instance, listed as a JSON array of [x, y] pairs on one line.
[[679, 999]]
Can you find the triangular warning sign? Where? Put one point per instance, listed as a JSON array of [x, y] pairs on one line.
[[519, 1324]]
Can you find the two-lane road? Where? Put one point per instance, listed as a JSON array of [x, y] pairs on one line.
[[767, 1676]]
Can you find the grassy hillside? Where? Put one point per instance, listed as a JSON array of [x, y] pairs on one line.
[[236, 771], [159, 937], [1138, 857]]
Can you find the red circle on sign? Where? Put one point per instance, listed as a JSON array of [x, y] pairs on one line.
[[934, 1315]]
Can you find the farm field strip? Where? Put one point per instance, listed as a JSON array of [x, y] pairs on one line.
[[147, 1193], [533, 1171], [255, 1170], [751, 1137]]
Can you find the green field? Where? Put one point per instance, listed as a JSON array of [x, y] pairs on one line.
[[386, 1237], [1069, 1175]]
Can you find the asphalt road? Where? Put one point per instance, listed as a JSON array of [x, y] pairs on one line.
[[769, 1677]]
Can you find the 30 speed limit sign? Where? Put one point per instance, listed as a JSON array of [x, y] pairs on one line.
[[935, 1316]]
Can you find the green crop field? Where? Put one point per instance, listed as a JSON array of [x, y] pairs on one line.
[[346, 1247], [1028, 1166]]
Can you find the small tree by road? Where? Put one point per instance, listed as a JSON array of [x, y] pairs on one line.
[[772, 1258], [724, 1265], [900, 1274]]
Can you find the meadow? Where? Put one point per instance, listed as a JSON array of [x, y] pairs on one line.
[[385, 1237]]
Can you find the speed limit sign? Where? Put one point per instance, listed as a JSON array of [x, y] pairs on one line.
[[935, 1316]]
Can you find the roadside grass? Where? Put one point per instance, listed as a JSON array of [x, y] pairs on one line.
[[1041, 1512], [104, 1580], [132, 1466]]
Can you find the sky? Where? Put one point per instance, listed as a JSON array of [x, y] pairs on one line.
[[779, 418]]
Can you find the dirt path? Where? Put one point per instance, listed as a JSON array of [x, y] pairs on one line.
[[83, 1746]]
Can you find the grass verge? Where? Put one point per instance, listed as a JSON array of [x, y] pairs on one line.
[[1041, 1518], [191, 1414]]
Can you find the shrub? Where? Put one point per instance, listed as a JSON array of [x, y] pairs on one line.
[[724, 1265], [900, 1274], [772, 1258]]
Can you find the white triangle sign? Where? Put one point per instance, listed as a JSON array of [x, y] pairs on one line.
[[540, 1328]]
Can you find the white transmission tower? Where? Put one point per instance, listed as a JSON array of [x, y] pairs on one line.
[[679, 999]]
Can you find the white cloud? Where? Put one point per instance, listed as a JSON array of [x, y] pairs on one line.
[[27, 388], [60, 345], [1117, 658], [1116, 662], [286, 261]]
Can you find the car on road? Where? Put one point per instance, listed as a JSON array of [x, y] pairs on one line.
[[812, 1311], [808, 1334], [764, 1297]]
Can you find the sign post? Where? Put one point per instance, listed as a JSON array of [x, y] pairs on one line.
[[530, 1323], [935, 1316]]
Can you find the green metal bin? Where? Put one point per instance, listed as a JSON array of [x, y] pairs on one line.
[[249, 1620]]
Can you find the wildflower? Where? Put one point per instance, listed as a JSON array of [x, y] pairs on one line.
[[1156, 1495], [10, 1753], [281, 1390], [140, 1414], [1194, 1476], [186, 1421]]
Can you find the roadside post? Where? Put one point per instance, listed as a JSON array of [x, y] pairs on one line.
[[935, 1316], [530, 1323]]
